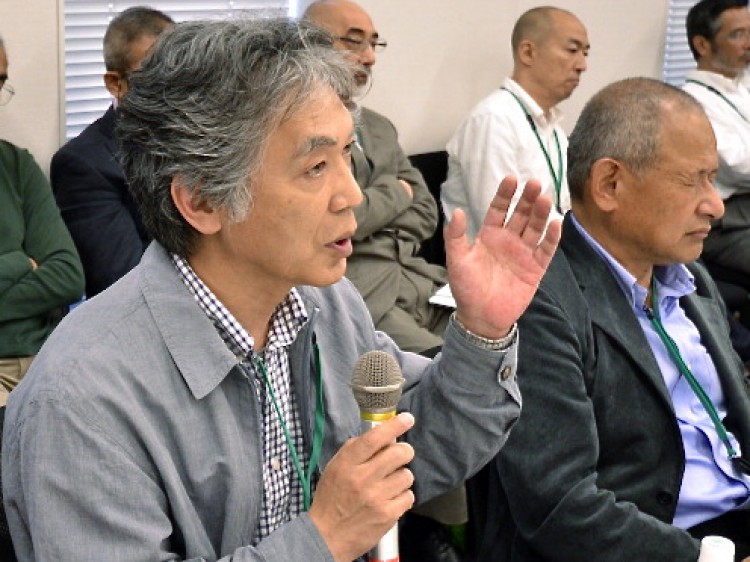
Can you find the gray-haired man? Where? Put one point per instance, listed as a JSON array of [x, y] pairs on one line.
[[179, 414]]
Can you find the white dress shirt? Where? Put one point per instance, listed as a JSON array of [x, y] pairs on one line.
[[496, 140], [731, 126]]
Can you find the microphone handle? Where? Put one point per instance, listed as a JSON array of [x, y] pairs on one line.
[[387, 548]]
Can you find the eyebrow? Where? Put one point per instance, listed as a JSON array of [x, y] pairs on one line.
[[580, 44], [313, 143], [357, 30]]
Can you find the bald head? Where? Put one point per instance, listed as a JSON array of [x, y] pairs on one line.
[[623, 122], [535, 25], [336, 16], [550, 47], [353, 31]]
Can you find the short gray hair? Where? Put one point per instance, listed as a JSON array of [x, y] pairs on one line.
[[204, 105], [622, 122]]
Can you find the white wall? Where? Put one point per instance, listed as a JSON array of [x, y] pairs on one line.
[[31, 34], [443, 57]]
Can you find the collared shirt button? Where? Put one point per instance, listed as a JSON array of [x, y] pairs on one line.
[[506, 372], [275, 463]]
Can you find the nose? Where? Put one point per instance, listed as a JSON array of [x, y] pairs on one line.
[[712, 204], [368, 57], [581, 62], [348, 193]]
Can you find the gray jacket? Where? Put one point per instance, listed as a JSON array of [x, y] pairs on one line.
[[136, 437]]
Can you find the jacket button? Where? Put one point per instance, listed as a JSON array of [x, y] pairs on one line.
[[506, 372], [664, 498]]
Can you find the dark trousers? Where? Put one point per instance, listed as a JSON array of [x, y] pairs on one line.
[[734, 525]]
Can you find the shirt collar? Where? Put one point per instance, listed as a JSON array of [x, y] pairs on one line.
[[286, 322], [555, 114], [718, 81], [675, 280]]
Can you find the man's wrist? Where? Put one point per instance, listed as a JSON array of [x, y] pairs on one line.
[[500, 344]]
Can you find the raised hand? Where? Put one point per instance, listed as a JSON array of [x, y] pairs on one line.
[[364, 489], [494, 279]]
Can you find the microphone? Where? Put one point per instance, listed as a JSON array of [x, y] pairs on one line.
[[376, 384]]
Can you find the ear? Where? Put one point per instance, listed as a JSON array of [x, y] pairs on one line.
[[194, 209], [526, 52], [702, 46], [606, 183], [112, 83]]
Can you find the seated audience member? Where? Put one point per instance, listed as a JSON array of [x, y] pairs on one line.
[[635, 432], [40, 272], [200, 408], [719, 36], [516, 129], [86, 176], [397, 212]]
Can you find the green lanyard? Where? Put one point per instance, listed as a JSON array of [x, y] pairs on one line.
[[304, 478], [722, 96], [557, 178], [674, 353]]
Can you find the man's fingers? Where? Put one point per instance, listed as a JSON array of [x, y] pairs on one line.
[[367, 445], [548, 245], [500, 203], [530, 206]]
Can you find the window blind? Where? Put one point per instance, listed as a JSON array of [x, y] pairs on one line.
[[86, 98], [678, 60]]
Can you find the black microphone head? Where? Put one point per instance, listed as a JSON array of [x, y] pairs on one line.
[[377, 382]]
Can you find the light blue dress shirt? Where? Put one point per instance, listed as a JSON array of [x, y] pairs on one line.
[[711, 486]]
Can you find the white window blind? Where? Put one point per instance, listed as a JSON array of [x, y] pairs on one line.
[[86, 98], [678, 60]]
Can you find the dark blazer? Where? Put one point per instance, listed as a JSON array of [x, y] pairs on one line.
[[592, 472], [96, 205]]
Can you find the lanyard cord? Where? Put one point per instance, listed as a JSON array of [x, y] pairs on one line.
[[556, 177], [304, 478], [722, 96], [674, 353]]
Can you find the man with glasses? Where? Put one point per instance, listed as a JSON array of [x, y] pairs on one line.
[[516, 129], [397, 214], [86, 176], [718, 32], [40, 272]]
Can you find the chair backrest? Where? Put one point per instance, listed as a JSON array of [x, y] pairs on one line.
[[434, 169], [7, 554]]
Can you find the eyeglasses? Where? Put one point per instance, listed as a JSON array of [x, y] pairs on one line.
[[360, 45], [6, 92]]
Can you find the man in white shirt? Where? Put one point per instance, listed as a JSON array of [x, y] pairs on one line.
[[719, 36], [516, 129]]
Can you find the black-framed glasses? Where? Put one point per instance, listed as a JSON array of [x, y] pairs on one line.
[[6, 92], [360, 45]]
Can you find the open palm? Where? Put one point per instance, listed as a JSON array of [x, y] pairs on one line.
[[494, 278]]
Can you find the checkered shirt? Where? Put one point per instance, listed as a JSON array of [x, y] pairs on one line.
[[282, 491]]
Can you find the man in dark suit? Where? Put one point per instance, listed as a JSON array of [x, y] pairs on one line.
[[86, 176], [615, 456]]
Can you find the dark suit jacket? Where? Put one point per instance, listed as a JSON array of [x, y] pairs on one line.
[[390, 225], [592, 471], [96, 205]]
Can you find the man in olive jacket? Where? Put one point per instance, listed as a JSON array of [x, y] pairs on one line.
[[397, 213]]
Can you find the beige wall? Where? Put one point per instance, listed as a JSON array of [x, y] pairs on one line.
[[32, 118], [443, 57]]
